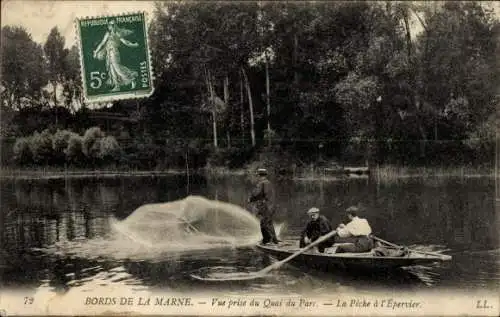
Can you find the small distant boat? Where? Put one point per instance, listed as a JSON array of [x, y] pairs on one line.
[[359, 261]]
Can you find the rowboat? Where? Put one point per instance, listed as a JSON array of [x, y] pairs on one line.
[[329, 261]]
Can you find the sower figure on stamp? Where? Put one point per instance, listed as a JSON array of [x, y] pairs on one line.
[[108, 49], [263, 197]]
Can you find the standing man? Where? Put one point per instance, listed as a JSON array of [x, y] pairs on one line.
[[317, 226], [357, 231], [263, 197]]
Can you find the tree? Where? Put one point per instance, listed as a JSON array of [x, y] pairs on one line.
[[74, 151], [91, 143], [214, 104], [23, 67], [72, 84], [205, 45], [60, 142], [250, 106], [459, 60], [22, 151], [41, 147], [56, 58], [357, 94], [109, 149]]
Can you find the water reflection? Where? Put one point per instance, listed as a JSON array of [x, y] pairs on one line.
[[24, 230], [58, 234]]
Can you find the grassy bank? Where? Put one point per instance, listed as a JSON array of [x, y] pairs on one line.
[[388, 173], [311, 172], [391, 172], [61, 173], [223, 171]]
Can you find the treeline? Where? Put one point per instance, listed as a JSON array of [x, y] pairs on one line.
[[95, 149], [384, 82], [67, 148]]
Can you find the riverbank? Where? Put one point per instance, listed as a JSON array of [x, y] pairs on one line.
[[391, 172], [379, 173], [61, 173], [55, 173]]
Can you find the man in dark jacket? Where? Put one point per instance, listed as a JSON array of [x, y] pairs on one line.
[[263, 197], [316, 227]]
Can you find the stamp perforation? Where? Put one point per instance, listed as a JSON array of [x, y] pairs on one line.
[[107, 98]]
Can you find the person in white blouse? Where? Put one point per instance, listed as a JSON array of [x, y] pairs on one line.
[[357, 232]]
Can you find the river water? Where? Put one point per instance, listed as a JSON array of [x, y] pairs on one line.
[[55, 234]]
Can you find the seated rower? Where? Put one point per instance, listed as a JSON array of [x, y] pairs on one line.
[[357, 232], [315, 228]]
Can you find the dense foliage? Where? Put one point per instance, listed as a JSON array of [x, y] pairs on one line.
[[383, 82], [64, 148]]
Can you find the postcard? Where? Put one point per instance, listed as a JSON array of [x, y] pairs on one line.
[[249, 158]]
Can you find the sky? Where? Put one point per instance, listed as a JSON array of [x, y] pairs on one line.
[[39, 17]]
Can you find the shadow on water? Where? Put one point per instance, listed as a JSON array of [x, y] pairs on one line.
[[342, 278], [376, 279]]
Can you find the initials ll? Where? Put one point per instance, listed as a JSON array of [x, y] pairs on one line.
[[482, 304]]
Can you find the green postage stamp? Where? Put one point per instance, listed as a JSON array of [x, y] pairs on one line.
[[115, 57]]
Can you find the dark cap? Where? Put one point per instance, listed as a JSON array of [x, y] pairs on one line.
[[313, 210], [352, 209], [355, 210]]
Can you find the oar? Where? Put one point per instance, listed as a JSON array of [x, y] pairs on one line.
[[245, 276], [442, 256], [280, 263]]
